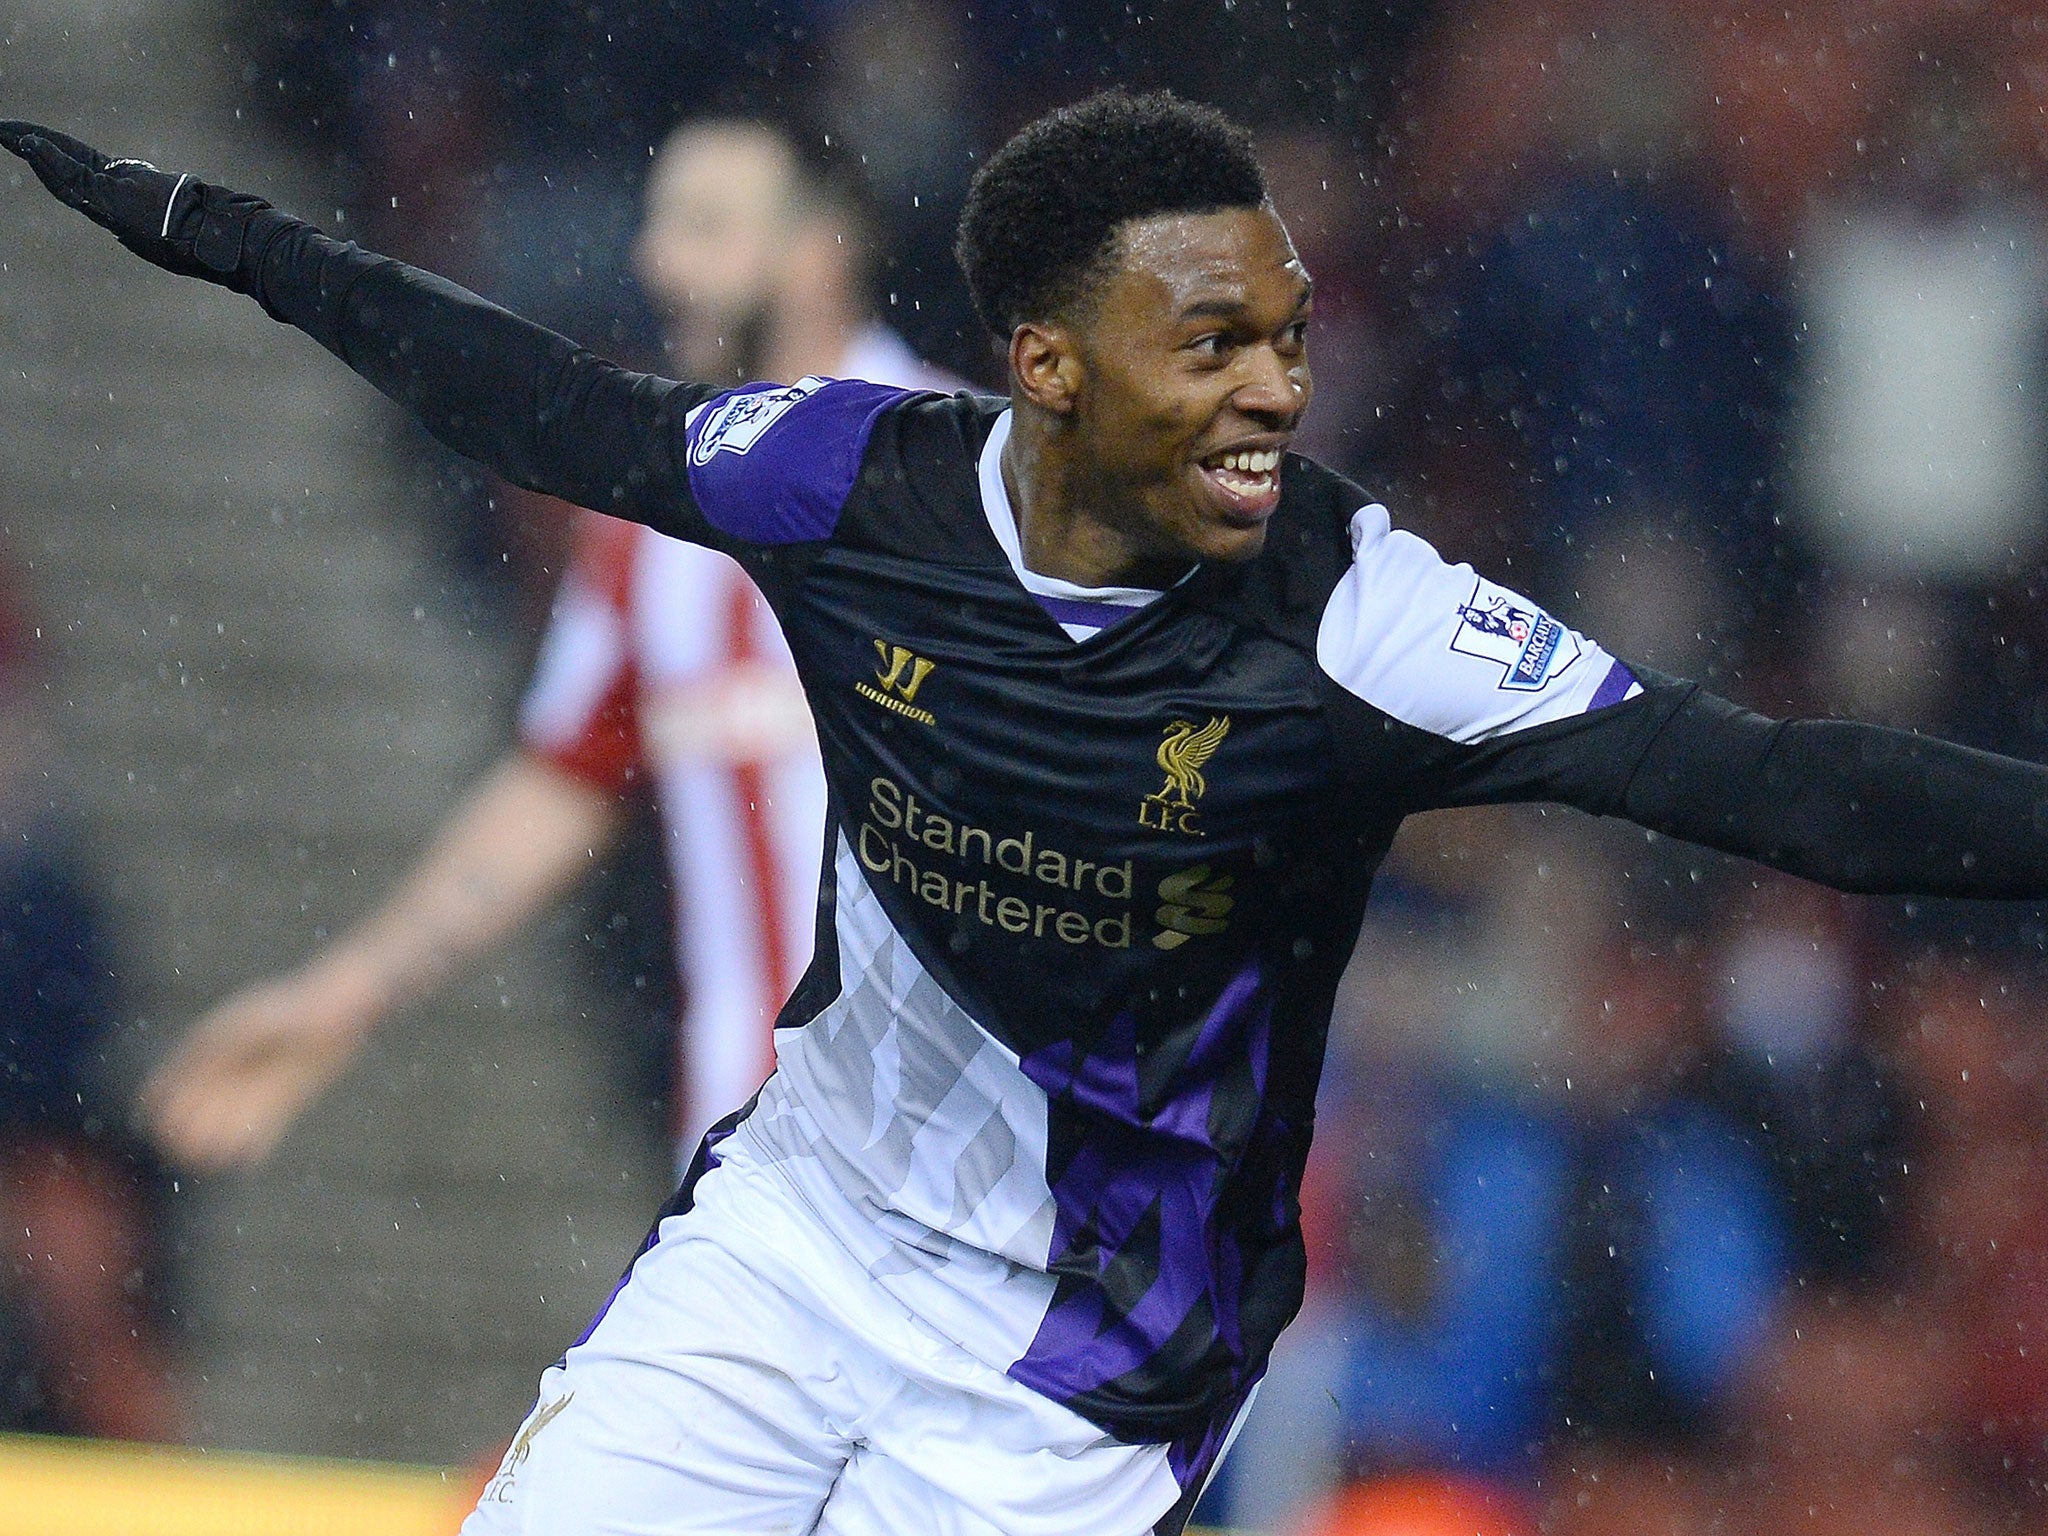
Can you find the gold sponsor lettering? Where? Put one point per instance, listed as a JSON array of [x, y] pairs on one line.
[[1193, 903], [878, 860], [885, 802], [895, 842]]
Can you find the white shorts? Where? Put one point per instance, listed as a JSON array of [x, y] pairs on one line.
[[750, 1376]]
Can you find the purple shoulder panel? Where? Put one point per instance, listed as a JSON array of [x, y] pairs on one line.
[[774, 463]]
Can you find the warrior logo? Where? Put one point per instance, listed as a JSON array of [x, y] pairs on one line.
[[740, 422], [1180, 757], [1528, 643], [897, 680]]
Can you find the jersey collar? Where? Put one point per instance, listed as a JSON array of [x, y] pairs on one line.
[[1064, 596]]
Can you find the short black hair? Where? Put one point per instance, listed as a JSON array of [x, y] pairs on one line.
[[828, 173], [1042, 215]]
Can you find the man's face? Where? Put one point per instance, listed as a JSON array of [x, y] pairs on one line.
[[710, 248], [1195, 378]]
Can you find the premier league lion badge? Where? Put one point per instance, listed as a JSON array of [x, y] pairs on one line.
[[1530, 646]]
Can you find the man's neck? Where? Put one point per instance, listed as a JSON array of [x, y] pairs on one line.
[[810, 333], [797, 341], [1060, 530]]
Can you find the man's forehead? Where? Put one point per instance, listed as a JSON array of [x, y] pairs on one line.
[[1221, 258], [736, 164]]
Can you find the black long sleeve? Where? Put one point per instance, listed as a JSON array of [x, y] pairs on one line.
[[1858, 807], [536, 407], [1862, 808]]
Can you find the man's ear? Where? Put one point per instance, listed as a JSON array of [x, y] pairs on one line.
[[1046, 365]]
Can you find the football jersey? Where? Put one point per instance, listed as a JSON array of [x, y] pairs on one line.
[[1052, 1072], [660, 661], [1085, 901]]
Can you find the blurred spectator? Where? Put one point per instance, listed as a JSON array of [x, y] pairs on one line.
[[1798, 1070], [1841, 1424], [1969, 1041], [81, 1343], [1919, 446], [1587, 1245], [903, 88], [1845, 1421], [502, 144], [1612, 1490], [1323, 62], [1604, 309], [661, 664], [1921, 438], [1318, 183]]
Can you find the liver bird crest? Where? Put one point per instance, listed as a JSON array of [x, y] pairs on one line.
[[1182, 754]]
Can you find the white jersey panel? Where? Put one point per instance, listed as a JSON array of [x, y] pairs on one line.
[[924, 1141], [1441, 648], [729, 741], [580, 658], [750, 1376]]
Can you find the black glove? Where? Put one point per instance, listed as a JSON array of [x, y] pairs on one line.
[[177, 222]]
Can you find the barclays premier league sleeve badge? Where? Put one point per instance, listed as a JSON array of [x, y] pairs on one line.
[[735, 424], [1529, 645]]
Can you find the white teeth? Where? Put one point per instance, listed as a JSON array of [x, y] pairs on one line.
[[1262, 462]]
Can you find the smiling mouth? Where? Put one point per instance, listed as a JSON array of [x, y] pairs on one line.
[[1247, 481]]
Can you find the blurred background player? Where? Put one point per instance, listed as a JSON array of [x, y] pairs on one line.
[[660, 663], [82, 1347]]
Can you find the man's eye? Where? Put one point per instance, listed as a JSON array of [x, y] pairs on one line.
[[1295, 337], [1216, 344]]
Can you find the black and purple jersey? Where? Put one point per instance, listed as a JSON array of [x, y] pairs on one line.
[[1095, 864], [1095, 860]]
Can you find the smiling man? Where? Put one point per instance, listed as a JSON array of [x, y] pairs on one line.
[[1120, 706]]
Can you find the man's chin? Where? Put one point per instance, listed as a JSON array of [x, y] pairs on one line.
[[727, 347], [1232, 544]]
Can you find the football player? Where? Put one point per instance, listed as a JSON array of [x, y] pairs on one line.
[[1120, 704]]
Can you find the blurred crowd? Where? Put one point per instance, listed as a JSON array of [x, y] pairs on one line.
[[1652, 1193]]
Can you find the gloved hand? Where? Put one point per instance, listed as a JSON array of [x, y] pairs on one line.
[[177, 222]]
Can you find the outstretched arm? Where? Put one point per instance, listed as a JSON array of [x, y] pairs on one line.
[[533, 405], [251, 1065], [1861, 808], [1476, 696], [1858, 807]]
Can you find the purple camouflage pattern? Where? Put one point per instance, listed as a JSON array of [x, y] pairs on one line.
[[1132, 1169]]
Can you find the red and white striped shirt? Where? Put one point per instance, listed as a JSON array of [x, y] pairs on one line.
[[661, 659]]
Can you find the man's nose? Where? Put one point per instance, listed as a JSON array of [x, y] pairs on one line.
[[1277, 388]]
